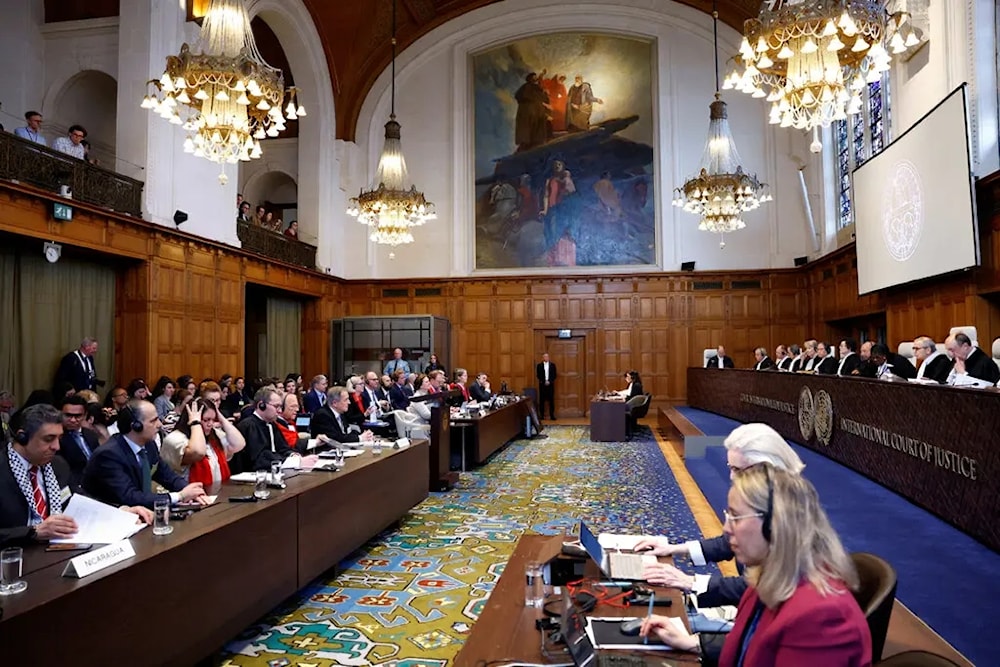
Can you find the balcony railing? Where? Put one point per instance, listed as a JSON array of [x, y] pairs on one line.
[[277, 246], [34, 164]]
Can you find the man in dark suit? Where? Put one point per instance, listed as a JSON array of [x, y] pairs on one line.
[[77, 368], [825, 364], [331, 420], [397, 392], [372, 392], [849, 359], [933, 364], [34, 482], [77, 444], [764, 362], [315, 398], [265, 444], [720, 360], [546, 373], [122, 470], [970, 360], [480, 389]]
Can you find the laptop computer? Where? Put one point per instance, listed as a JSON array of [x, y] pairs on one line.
[[302, 423], [614, 564]]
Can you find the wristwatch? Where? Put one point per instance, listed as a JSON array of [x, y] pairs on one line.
[[194, 423]]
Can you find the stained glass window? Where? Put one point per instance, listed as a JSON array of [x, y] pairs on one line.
[[857, 139]]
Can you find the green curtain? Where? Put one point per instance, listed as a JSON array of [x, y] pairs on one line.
[[284, 337], [47, 309]]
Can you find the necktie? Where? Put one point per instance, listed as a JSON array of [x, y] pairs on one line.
[[37, 497], [322, 398], [147, 477], [82, 444], [340, 424]]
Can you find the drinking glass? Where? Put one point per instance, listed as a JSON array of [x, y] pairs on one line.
[[534, 589], [338, 458], [260, 490], [377, 446], [276, 472], [10, 571], [161, 516]]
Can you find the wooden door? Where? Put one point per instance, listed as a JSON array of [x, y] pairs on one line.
[[569, 356]]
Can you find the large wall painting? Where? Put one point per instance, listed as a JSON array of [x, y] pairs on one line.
[[564, 159]]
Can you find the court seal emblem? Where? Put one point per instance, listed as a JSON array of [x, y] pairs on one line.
[[807, 413], [824, 417]]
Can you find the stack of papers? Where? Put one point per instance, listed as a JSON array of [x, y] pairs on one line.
[[99, 523]]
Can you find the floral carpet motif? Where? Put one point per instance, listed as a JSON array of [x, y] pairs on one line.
[[410, 596]]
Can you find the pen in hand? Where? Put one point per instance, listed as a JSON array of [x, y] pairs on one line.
[[649, 615]]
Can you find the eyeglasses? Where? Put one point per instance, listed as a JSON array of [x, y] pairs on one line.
[[73, 415], [734, 518], [276, 406], [77, 134]]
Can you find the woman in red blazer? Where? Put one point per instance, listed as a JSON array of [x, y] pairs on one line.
[[799, 609]]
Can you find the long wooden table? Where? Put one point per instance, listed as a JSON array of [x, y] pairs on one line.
[[185, 594], [506, 628], [937, 446], [484, 435]]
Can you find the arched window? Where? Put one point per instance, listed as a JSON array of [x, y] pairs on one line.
[[858, 139]]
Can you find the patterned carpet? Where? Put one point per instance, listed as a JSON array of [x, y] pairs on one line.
[[410, 596]]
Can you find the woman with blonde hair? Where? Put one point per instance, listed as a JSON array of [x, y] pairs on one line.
[[799, 609], [747, 445]]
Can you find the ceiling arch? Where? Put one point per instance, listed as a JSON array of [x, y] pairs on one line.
[[356, 39]]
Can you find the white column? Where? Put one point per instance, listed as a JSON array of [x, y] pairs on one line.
[[22, 51], [149, 147]]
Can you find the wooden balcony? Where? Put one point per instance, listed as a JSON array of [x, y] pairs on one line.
[[25, 162], [276, 246]]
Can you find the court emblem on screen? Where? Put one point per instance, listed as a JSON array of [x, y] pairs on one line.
[[903, 211], [807, 414], [824, 417]]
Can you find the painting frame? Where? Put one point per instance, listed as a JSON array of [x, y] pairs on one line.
[[578, 189]]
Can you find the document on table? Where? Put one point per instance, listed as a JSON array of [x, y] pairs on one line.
[[99, 523]]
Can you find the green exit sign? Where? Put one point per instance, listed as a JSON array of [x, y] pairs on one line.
[[62, 211]]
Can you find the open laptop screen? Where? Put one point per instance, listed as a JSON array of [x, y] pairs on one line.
[[593, 547], [302, 422]]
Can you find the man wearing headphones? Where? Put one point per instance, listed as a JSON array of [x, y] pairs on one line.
[[264, 442], [34, 482], [122, 470]]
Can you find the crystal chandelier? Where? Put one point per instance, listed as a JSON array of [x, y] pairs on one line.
[[394, 206], [811, 59], [722, 191], [222, 92]]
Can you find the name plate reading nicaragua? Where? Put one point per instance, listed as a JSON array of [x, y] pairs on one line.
[[401, 443], [98, 559]]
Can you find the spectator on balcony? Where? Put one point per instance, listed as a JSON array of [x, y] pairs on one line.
[[239, 201], [258, 216], [271, 223], [73, 144], [243, 214], [86, 153], [33, 130], [293, 230]]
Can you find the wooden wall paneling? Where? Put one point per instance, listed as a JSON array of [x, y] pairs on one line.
[[655, 359], [513, 360]]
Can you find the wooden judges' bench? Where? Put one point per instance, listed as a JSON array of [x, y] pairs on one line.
[[185, 594], [935, 445]]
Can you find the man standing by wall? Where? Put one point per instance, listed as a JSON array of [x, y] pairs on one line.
[[545, 370]]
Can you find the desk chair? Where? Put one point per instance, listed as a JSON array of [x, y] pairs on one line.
[[996, 352], [875, 596], [969, 331], [916, 659], [635, 409]]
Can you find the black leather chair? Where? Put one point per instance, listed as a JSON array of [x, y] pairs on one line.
[[916, 659], [635, 412], [875, 596]]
